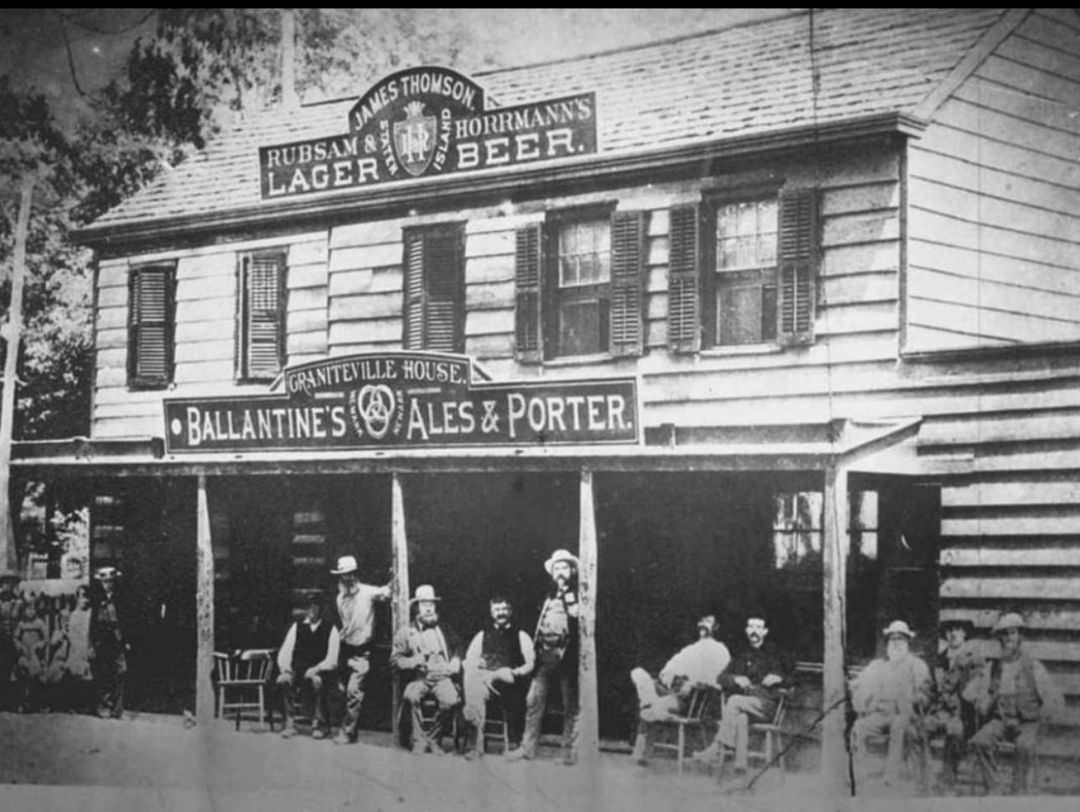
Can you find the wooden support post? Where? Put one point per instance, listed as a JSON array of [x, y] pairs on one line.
[[835, 766], [589, 721], [204, 598], [399, 605]]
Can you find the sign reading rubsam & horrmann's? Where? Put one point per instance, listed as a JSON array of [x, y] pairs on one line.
[[424, 122], [415, 399]]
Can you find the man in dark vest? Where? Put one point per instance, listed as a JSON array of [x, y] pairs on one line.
[[1014, 700], [307, 657], [108, 647], [498, 661], [957, 669]]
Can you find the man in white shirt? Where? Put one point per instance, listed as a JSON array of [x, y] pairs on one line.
[[309, 652], [356, 612]]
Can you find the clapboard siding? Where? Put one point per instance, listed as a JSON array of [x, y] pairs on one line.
[[995, 201]]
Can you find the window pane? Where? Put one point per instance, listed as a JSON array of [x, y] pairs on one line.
[[584, 253], [582, 324], [746, 235]]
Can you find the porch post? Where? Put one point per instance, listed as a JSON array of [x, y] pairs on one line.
[[835, 768], [204, 603], [399, 599], [589, 719]]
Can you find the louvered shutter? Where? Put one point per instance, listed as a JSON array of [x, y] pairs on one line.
[[627, 264], [414, 291], [444, 305], [527, 278], [265, 315], [151, 317], [797, 258], [684, 269]]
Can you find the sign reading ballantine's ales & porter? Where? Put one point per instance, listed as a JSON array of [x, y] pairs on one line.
[[423, 122], [404, 399]]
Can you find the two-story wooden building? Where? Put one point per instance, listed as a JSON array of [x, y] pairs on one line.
[[737, 293]]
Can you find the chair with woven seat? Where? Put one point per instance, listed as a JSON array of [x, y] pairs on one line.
[[695, 720], [242, 680]]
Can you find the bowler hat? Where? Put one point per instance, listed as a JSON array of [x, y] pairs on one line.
[[1009, 620], [898, 627], [101, 573], [345, 564], [425, 592], [560, 555], [956, 623]]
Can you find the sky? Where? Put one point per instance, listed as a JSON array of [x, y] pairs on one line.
[[33, 52]]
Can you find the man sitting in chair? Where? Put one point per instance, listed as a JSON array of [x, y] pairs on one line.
[[691, 668], [308, 655], [429, 655], [957, 670], [889, 696], [753, 685], [1014, 698]]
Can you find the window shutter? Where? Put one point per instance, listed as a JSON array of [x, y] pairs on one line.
[[684, 297], [627, 263], [797, 258], [151, 328], [444, 305], [265, 315], [527, 277], [414, 291]]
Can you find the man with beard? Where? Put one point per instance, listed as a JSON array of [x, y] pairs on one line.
[[356, 612], [308, 655], [108, 649], [1015, 698], [697, 666], [956, 671], [498, 661], [428, 653], [752, 683]]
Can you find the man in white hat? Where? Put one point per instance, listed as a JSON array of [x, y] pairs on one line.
[[356, 613], [889, 696], [556, 643], [428, 653], [108, 648], [1015, 698]]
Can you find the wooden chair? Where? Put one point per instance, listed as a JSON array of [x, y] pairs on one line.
[[993, 766], [496, 727], [242, 680], [772, 735], [695, 720]]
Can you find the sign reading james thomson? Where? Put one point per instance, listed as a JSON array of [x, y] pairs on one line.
[[424, 122], [413, 399]]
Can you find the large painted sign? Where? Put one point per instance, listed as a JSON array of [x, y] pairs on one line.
[[405, 399], [424, 122]]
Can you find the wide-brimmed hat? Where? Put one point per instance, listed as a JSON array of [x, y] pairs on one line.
[[957, 623], [425, 592], [1009, 620], [345, 564], [898, 627], [560, 555], [102, 573]]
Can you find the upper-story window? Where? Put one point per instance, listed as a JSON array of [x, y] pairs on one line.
[[579, 285], [261, 315], [151, 319], [435, 288], [742, 271]]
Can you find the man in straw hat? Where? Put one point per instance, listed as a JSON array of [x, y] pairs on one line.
[[1016, 696], [889, 696], [428, 653], [356, 613], [556, 643], [958, 667]]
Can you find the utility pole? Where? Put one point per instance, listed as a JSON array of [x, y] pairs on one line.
[[9, 559]]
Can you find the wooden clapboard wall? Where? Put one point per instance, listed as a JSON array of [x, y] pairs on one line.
[[995, 198]]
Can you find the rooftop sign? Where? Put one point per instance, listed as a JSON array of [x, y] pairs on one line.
[[403, 399], [425, 122]]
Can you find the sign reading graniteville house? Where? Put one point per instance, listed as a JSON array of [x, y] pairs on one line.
[[416, 399], [424, 122]]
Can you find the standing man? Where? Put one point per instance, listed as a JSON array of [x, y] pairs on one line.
[[308, 655], [108, 649], [9, 618], [557, 645], [1015, 699], [498, 661], [356, 612], [957, 669], [752, 683], [429, 654], [890, 696]]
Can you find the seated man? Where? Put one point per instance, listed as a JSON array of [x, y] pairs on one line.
[[306, 659], [1014, 698], [752, 684], [957, 668], [499, 661], [889, 696], [428, 654], [692, 667]]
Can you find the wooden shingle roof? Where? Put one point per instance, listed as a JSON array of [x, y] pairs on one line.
[[742, 81]]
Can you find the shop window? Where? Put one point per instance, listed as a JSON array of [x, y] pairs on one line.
[[435, 288], [751, 279], [261, 330], [150, 326], [580, 285]]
